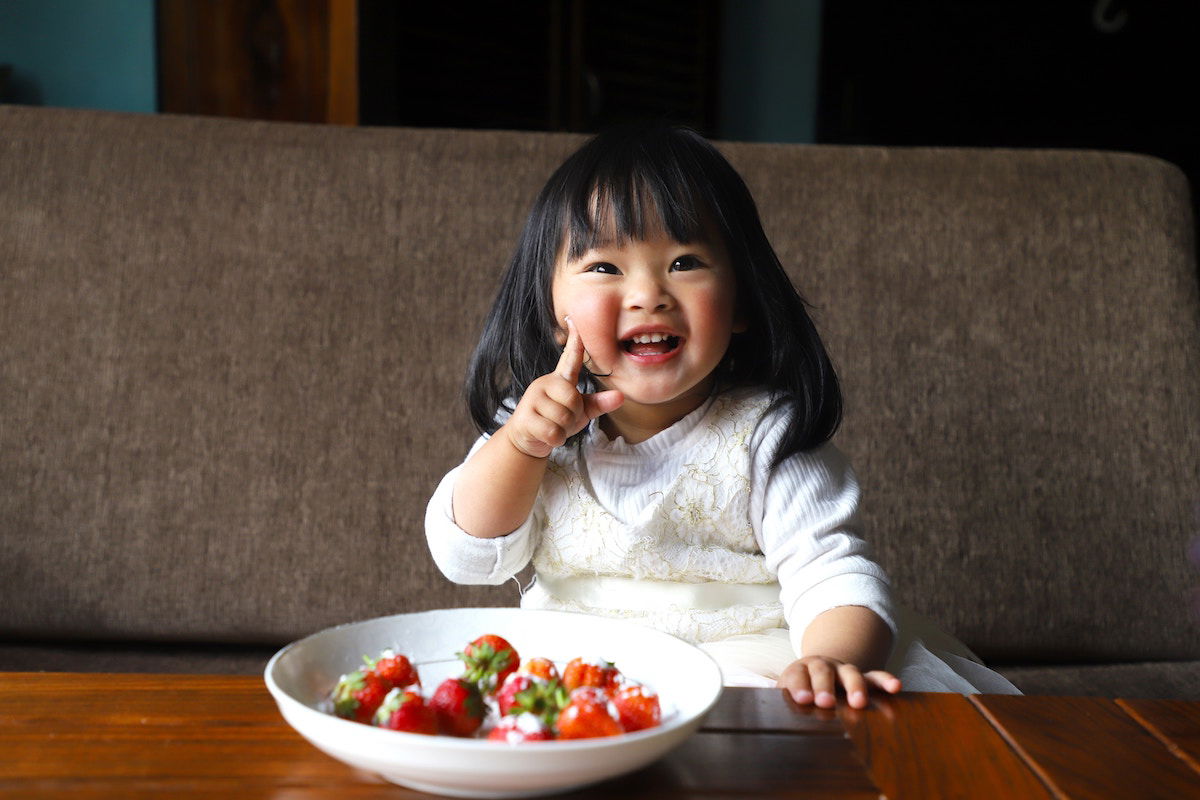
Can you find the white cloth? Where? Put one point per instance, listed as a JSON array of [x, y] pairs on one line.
[[691, 532], [925, 658]]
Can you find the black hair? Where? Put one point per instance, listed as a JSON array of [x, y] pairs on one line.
[[618, 186]]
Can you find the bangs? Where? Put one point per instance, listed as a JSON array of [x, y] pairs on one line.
[[633, 191], [632, 183]]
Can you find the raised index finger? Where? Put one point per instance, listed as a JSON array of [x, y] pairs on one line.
[[572, 356]]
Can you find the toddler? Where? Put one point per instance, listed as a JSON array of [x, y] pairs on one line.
[[656, 409]]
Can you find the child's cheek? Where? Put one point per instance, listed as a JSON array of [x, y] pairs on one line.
[[595, 317]]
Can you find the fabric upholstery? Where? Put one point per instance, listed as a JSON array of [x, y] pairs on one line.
[[1017, 333], [231, 357], [1160, 679]]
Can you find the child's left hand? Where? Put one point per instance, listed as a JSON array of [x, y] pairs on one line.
[[815, 679]]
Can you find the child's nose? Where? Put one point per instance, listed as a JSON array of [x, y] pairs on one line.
[[647, 294]]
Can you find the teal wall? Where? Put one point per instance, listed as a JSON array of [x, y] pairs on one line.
[[80, 53], [770, 52]]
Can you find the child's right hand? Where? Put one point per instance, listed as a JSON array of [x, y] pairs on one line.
[[553, 409]]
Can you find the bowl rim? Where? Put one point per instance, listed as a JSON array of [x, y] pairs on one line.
[[467, 744]]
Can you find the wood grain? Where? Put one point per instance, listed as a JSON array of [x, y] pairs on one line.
[[91, 736], [769, 711], [86, 736], [341, 101], [748, 765], [272, 59], [1089, 747], [937, 745], [186, 736], [1174, 722]]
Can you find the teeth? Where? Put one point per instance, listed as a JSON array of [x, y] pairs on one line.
[[649, 338]]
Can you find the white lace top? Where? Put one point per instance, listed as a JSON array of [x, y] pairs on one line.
[[690, 531]]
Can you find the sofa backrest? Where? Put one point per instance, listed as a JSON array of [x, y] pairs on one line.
[[231, 357], [1019, 337]]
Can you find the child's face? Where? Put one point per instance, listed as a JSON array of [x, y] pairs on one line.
[[619, 294]]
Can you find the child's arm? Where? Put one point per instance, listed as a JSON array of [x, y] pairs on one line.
[[844, 646], [835, 598], [498, 485]]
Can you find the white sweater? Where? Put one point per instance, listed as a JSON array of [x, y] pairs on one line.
[[690, 531]]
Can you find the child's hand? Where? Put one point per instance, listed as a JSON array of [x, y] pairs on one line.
[[814, 679], [553, 409]]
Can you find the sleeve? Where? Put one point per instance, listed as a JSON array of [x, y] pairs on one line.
[[805, 513], [464, 558]]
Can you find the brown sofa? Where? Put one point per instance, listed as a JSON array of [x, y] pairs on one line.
[[231, 355]]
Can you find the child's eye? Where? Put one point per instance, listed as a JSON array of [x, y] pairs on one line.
[[684, 263], [604, 268]]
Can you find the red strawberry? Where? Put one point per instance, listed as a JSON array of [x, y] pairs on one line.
[[459, 707], [589, 715], [358, 695], [395, 670], [406, 711], [541, 667], [489, 660], [527, 693], [517, 728], [590, 672], [513, 685], [637, 707]]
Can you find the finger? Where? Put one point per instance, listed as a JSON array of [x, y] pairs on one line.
[[572, 356], [824, 683], [602, 402], [883, 680], [562, 411], [855, 685], [795, 679], [534, 436]]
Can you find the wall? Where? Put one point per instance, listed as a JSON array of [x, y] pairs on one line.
[[770, 57], [101, 54], [80, 53]]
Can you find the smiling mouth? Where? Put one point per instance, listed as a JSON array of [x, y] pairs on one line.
[[650, 344]]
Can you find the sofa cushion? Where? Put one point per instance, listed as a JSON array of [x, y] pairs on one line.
[[109, 656], [232, 356], [232, 363], [1018, 333], [1173, 680]]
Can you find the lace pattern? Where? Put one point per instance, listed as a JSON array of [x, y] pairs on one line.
[[697, 530]]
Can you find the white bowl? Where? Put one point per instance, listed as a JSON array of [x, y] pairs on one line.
[[301, 676]]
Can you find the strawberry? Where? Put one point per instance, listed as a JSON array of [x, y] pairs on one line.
[[514, 684], [358, 695], [541, 667], [637, 707], [590, 714], [395, 670], [459, 707], [406, 711], [590, 672], [489, 660], [522, 693], [517, 728]]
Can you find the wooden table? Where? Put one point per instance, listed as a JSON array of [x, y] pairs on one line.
[[193, 736]]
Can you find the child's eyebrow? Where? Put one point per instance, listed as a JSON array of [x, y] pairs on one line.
[[592, 253], [599, 250]]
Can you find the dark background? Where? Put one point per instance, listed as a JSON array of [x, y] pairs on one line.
[[1081, 73], [1107, 74]]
